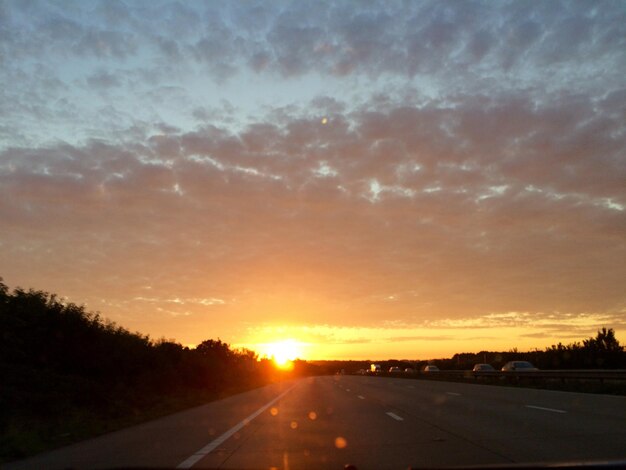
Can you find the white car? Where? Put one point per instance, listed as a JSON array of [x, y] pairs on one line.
[[483, 368]]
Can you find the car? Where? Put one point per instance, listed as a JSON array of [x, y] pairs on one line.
[[409, 370], [483, 368], [431, 368], [518, 366], [394, 369]]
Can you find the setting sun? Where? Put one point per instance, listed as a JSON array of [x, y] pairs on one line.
[[283, 352]]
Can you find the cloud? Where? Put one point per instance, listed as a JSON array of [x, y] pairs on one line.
[[507, 227], [356, 165], [335, 38], [103, 80], [421, 49], [420, 338]]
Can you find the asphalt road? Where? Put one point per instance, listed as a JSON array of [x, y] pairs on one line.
[[370, 422]]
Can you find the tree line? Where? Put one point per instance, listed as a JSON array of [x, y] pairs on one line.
[[69, 372], [40, 332], [602, 351]]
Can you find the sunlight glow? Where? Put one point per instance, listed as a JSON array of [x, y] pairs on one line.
[[283, 352], [432, 339]]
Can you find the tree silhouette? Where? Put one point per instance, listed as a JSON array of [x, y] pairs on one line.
[[604, 341], [604, 350]]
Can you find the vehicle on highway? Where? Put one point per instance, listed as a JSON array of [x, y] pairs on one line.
[[375, 368], [483, 368], [430, 368], [394, 369], [518, 366], [409, 370]]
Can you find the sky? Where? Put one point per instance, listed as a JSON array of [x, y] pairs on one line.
[[367, 180]]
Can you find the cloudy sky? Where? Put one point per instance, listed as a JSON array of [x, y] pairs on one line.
[[372, 180]]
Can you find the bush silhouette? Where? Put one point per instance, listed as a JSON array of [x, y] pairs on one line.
[[60, 361]]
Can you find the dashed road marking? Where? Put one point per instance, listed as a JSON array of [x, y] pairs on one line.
[[361, 397], [454, 394], [553, 410], [395, 416]]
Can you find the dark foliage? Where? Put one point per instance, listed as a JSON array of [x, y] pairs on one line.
[[602, 352], [64, 368]]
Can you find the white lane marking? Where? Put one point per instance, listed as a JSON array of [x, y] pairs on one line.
[[361, 397], [347, 389], [410, 386], [454, 394], [553, 410], [206, 450], [395, 416]]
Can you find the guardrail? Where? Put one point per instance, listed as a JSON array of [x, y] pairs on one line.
[[561, 375]]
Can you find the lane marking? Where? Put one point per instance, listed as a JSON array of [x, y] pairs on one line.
[[454, 394], [361, 397], [395, 416], [206, 450], [553, 410]]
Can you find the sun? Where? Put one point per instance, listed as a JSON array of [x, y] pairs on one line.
[[284, 352]]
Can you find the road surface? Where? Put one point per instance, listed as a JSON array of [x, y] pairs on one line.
[[370, 422]]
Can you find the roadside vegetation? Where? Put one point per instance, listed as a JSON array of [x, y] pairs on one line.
[[68, 374], [600, 352]]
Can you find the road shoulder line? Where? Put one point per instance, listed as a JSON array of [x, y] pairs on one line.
[[206, 450]]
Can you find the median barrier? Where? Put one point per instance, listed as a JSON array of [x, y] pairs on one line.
[[600, 375]]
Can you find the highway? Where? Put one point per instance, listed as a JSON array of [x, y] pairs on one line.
[[370, 422]]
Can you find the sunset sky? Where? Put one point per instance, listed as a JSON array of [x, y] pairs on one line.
[[367, 180]]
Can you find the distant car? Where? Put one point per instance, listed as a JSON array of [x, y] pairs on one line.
[[409, 370], [483, 368], [431, 369], [518, 366], [394, 369]]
